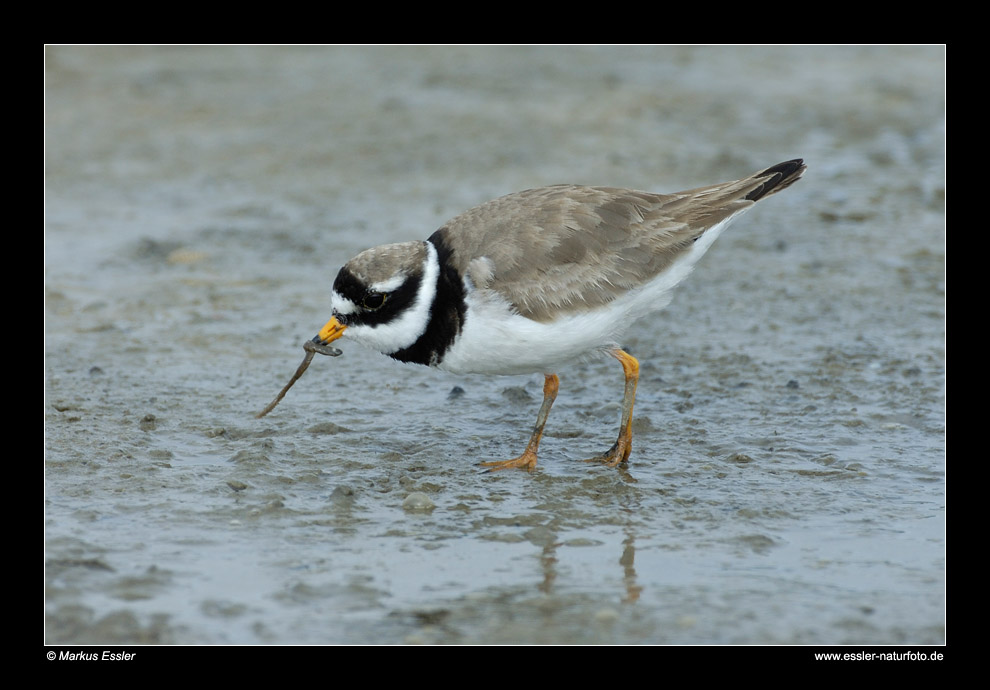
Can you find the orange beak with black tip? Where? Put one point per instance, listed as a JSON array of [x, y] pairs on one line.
[[331, 331]]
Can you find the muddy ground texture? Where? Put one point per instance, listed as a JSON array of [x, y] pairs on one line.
[[788, 470]]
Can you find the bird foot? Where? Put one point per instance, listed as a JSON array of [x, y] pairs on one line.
[[526, 461], [614, 456]]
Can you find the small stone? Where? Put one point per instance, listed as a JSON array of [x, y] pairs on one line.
[[516, 395], [418, 502], [342, 496], [185, 256], [607, 616]]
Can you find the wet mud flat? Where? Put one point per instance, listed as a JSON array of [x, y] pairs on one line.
[[787, 477]]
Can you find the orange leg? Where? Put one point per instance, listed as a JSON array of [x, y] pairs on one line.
[[619, 452], [528, 459]]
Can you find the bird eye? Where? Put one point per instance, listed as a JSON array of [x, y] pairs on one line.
[[374, 300]]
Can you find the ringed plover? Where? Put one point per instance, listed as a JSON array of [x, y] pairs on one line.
[[530, 282]]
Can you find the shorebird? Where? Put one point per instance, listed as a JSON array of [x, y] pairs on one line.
[[534, 281]]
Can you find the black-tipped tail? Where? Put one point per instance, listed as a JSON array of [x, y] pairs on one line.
[[778, 177]]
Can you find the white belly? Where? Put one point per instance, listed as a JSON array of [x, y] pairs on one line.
[[496, 341]]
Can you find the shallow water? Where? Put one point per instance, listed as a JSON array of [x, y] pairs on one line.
[[787, 477]]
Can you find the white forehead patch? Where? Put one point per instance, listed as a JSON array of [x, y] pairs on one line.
[[340, 304]]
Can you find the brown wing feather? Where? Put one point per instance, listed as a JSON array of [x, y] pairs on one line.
[[567, 248]]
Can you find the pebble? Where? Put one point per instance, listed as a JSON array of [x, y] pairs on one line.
[[418, 502]]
